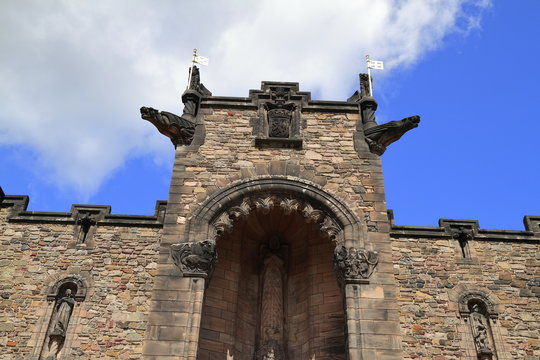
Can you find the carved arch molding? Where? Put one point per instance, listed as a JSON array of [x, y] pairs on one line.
[[219, 213], [264, 204]]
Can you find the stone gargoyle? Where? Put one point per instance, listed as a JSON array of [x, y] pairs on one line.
[[178, 129], [380, 136]]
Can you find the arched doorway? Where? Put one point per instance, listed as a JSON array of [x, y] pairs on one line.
[[273, 291]]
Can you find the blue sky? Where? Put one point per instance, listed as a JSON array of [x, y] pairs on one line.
[[75, 74]]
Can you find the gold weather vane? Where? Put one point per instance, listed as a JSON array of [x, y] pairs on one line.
[[375, 65], [196, 59]]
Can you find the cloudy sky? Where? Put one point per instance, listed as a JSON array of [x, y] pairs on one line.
[[75, 73]]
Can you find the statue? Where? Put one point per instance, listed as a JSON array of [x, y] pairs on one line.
[[480, 327], [59, 323], [180, 129], [272, 327]]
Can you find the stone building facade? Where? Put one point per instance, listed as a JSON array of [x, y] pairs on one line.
[[275, 243]]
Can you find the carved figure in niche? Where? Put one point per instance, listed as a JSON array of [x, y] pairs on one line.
[[195, 258], [279, 115], [59, 323], [480, 330], [272, 328], [180, 129]]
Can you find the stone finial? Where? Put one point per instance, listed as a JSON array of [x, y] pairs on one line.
[[195, 259], [354, 265]]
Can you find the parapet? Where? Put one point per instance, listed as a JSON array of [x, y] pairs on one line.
[[17, 205], [450, 228]]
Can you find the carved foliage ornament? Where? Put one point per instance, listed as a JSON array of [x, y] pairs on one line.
[[196, 258], [264, 205], [354, 265]]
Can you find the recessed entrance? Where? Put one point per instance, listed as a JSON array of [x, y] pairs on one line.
[[273, 292]]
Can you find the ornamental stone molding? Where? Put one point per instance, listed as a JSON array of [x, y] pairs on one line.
[[327, 225], [196, 259], [354, 265]]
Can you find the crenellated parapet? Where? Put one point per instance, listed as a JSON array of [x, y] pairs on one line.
[[468, 230], [80, 214]]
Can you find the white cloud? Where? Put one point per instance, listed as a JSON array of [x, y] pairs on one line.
[[75, 73]]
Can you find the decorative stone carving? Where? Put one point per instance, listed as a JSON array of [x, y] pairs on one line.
[[463, 235], [270, 350], [380, 136], [242, 210], [222, 224], [85, 223], [354, 265], [265, 204], [364, 85], [311, 214], [195, 259], [180, 129], [327, 225], [278, 123], [481, 332], [289, 205], [272, 327], [56, 334], [279, 114]]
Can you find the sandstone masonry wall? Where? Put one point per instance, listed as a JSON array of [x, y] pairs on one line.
[[431, 274], [119, 269], [334, 157]]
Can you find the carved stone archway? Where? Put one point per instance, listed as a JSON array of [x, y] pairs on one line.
[[217, 214], [329, 223]]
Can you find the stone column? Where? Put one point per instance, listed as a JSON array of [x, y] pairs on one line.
[[370, 304], [175, 314]]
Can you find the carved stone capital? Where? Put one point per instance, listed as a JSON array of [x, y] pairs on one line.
[[354, 265], [195, 259]]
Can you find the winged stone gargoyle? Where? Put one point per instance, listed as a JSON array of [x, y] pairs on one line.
[[380, 136], [177, 128], [180, 129]]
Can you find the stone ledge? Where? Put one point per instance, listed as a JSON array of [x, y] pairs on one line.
[[444, 230], [19, 204]]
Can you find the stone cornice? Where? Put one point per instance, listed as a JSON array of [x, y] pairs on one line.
[[448, 228], [19, 203]]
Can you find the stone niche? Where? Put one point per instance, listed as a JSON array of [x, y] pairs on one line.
[[273, 293]]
